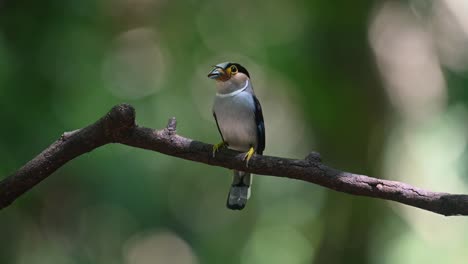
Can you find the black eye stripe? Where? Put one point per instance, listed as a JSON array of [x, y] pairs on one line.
[[237, 68]]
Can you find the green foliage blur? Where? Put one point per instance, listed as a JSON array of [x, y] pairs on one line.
[[377, 87]]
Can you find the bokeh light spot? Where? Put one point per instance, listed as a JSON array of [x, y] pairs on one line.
[[136, 66], [158, 247]]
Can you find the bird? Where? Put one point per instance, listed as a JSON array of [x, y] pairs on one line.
[[239, 118]]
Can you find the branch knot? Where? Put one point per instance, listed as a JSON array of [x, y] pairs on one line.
[[314, 157], [119, 121]]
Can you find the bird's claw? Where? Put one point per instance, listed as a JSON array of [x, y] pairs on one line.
[[218, 146], [248, 155]]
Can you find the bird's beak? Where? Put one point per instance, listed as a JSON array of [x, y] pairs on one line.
[[216, 73]]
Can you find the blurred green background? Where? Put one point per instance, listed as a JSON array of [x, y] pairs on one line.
[[377, 87]]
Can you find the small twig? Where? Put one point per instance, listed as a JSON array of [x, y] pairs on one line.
[[171, 126], [119, 126]]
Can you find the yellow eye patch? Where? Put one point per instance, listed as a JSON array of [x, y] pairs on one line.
[[231, 70]]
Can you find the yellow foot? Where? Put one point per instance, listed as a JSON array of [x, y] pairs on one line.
[[248, 155], [218, 146]]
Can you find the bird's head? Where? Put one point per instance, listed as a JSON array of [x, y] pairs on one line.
[[227, 70], [229, 76]]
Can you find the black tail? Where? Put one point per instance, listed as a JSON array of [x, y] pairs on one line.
[[240, 190]]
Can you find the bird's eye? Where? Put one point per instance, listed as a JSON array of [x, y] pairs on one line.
[[233, 69]]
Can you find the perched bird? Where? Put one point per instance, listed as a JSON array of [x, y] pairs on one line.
[[239, 118]]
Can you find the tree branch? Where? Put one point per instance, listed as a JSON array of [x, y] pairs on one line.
[[118, 126]]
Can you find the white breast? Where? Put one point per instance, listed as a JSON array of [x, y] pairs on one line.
[[236, 120]]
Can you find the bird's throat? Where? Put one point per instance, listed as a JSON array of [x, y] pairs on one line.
[[230, 88]]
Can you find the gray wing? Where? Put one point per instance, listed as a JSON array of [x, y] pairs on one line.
[[217, 125], [260, 126]]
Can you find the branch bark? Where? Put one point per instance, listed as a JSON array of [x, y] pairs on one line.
[[118, 126]]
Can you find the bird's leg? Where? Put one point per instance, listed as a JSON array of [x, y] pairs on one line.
[[218, 146], [248, 155]]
